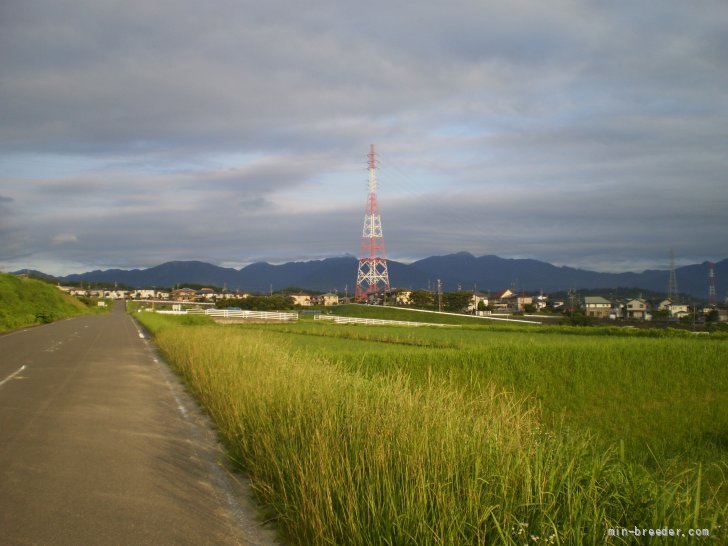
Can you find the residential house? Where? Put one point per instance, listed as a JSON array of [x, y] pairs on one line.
[[510, 300], [475, 300], [327, 299], [541, 301], [184, 294], [522, 300], [207, 294], [502, 300], [675, 310], [116, 294], [402, 297], [73, 291], [304, 300], [637, 309], [143, 294], [503, 294], [234, 295], [597, 307], [679, 310], [618, 310], [80, 292]]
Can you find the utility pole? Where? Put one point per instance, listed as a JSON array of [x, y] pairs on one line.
[[439, 295], [572, 300]]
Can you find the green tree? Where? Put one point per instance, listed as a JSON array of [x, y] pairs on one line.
[[577, 318], [455, 302], [421, 299]]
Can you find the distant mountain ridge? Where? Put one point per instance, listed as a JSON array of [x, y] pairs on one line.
[[461, 270]]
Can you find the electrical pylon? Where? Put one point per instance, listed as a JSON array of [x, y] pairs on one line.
[[672, 294], [712, 299], [372, 275]]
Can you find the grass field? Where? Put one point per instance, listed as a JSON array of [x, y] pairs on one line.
[[24, 302], [467, 435]]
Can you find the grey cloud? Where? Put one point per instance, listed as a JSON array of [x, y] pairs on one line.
[[596, 227], [255, 203], [574, 231], [237, 78], [521, 125]]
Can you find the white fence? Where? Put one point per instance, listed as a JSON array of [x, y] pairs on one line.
[[354, 320], [250, 315]]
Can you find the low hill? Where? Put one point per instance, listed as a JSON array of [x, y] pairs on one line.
[[495, 273], [25, 301], [456, 271]]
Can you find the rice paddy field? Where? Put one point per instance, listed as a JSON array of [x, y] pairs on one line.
[[386, 435]]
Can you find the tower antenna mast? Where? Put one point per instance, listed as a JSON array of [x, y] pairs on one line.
[[372, 275]]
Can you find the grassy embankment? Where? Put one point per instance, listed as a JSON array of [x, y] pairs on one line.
[[543, 323], [24, 302], [358, 435], [404, 314]]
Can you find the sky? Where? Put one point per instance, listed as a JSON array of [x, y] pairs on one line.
[[584, 133]]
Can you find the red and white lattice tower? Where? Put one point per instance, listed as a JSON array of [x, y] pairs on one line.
[[712, 300], [372, 276]]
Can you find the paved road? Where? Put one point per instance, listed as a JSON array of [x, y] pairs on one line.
[[99, 444]]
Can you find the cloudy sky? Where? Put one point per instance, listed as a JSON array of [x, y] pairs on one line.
[[583, 133]]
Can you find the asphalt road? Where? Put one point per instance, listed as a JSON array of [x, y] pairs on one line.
[[99, 444]]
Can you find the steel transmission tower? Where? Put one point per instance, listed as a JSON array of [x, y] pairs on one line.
[[712, 299], [372, 275], [672, 293]]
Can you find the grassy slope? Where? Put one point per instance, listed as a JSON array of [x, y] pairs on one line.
[[28, 301], [398, 313]]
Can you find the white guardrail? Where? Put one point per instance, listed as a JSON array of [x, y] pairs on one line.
[[354, 320], [259, 315]]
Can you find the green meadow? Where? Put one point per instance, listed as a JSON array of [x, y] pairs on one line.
[[358, 434]]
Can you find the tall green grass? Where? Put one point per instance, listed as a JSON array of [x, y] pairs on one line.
[[663, 398], [342, 457], [25, 301]]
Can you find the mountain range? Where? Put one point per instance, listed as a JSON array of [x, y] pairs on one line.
[[461, 270]]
